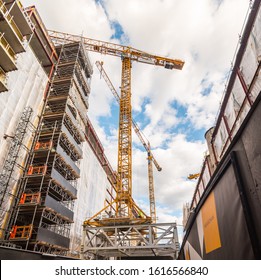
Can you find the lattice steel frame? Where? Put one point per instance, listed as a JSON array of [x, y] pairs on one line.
[[130, 241]]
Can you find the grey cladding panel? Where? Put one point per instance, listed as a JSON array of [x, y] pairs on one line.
[[45, 235], [58, 207]]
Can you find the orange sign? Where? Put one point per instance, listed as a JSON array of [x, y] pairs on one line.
[[210, 224]]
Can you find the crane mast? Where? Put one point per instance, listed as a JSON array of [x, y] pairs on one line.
[[126, 209], [134, 124], [124, 185], [137, 130], [151, 188]]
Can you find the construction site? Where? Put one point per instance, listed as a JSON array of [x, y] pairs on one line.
[[60, 198]]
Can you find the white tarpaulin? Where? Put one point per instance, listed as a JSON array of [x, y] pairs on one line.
[[26, 87], [91, 194]]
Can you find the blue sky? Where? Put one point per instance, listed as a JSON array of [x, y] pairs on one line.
[[173, 108]]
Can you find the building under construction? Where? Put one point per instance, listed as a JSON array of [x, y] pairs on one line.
[[60, 197], [46, 138]]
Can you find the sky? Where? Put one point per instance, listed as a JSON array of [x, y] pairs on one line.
[[173, 108]]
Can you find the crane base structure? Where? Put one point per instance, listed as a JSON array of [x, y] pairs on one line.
[[130, 241]]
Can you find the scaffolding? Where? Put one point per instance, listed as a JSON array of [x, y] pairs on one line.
[[8, 194], [41, 220]]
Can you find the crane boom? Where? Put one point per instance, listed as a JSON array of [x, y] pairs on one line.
[[117, 50], [126, 209]]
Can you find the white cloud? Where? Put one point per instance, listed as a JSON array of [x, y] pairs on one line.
[[200, 32], [178, 160], [81, 17], [204, 33]]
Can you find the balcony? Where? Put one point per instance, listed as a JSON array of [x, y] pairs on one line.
[[10, 30], [7, 55], [16, 11]]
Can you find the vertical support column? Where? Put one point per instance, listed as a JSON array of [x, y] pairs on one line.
[[151, 188], [124, 185]]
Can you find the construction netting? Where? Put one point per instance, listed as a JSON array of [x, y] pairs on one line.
[[91, 195], [25, 90], [26, 87]]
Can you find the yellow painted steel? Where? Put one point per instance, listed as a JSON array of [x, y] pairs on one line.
[[193, 176], [117, 50], [124, 185], [146, 145], [151, 188]]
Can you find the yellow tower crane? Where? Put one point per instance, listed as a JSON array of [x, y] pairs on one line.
[[146, 145], [125, 209]]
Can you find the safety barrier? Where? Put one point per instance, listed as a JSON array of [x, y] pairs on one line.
[[21, 232]]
